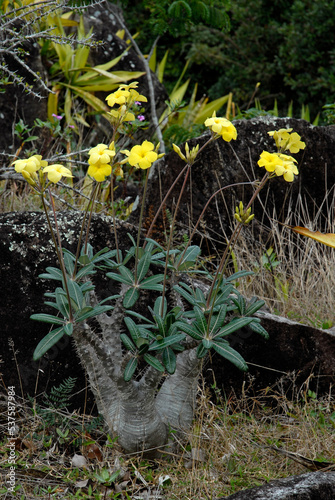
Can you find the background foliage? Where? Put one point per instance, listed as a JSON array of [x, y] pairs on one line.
[[287, 46]]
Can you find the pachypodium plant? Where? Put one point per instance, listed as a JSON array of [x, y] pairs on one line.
[[144, 364]]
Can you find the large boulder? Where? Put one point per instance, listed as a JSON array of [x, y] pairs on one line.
[[310, 486], [234, 164], [297, 355], [25, 251]]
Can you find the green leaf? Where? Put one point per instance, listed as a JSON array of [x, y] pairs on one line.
[[84, 260], [130, 297], [68, 328], [154, 362], [130, 369], [151, 283], [235, 324], [238, 275], [47, 318], [201, 351], [158, 307], [207, 343], [127, 280], [133, 329], [62, 303], [200, 318], [87, 286], [87, 269], [111, 297], [187, 294], [53, 274], [90, 312], [254, 307], [190, 329], [47, 342], [127, 274], [218, 319], [257, 327], [143, 266], [239, 302], [142, 346], [76, 293], [189, 258], [158, 345], [227, 352], [69, 260], [169, 360], [128, 343]]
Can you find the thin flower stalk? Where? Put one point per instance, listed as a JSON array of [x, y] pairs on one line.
[[170, 190], [90, 202], [224, 260], [171, 232], [58, 247], [140, 222]]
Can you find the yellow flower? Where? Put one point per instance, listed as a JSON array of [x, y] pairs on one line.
[[121, 114], [270, 161], [281, 136], [294, 143], [285, 141], [125, 95], [31, 165], [99, 171], [119, 97], [141, 156], [222, 126], [288, 169], [101, 153], [280, 164], [56, 172]]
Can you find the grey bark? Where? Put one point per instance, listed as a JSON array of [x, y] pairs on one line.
[[140, 412]]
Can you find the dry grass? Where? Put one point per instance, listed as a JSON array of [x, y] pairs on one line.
[[300, 282], [229, 449]]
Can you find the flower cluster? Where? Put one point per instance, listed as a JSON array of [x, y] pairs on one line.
[[243, 216], [221, 127], [29, 168], [285, 141], [280, 163], [125, 97], [99, 161], [190, 155]]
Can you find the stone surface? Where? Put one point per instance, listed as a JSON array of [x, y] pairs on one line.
[[26, 250], [310, 486], [300, 356], [232, 164]]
